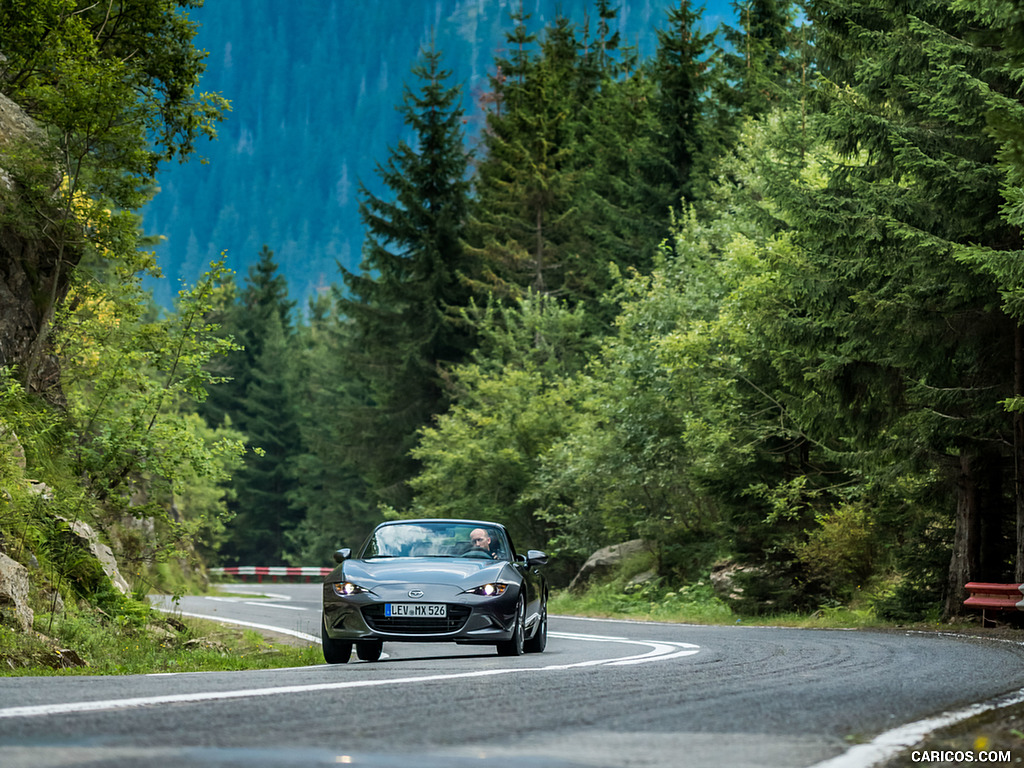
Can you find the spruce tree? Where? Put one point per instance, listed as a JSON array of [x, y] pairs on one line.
[[403, 306], [264, 486], [683, 76], [559, 190], [522, 223], [759, 61], [620, 218], [898, 355], [334, 498], [262, 406], [998, 31]]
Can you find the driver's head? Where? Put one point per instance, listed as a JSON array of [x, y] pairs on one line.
[[479, 538]]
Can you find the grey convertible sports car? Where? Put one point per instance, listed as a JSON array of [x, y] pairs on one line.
[[435, 580]]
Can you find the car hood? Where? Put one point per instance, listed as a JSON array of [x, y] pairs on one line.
[[423, 570]]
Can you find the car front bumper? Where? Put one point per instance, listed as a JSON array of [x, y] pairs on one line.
[[470, 618]]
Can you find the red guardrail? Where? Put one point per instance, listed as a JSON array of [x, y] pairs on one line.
[[994, 597], [273, 572]]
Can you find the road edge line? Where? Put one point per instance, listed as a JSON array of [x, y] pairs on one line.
[[887, 745], [220, 619]]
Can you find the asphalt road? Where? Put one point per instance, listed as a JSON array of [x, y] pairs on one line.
[[603, 694]]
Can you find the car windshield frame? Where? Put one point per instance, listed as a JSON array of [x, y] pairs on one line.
[[434, 539]]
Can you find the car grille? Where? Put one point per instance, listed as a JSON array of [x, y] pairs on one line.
[[407, 625]]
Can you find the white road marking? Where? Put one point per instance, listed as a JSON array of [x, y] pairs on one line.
[[660, 651], [275, 605], [236, 599], [887, 745], [223, 620]]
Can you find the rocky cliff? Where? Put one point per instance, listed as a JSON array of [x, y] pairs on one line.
[[35, 263]]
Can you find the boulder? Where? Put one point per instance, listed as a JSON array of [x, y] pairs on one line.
[[91, 540], [643, 578], [14, 586], [723, 578], [606, 560]]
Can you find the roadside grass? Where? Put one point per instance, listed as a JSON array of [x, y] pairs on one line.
[[163, 644], [698, 604]]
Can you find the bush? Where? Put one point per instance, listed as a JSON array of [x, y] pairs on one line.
[[841, 553]]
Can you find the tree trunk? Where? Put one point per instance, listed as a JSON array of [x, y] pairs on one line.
[[1018, 454], [967, 538]]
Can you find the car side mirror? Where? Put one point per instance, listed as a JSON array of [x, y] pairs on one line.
[[342, 555], [536, 557]]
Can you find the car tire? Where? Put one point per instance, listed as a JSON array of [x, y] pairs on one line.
[[539, 641], [514, 645], [369, 650], [335, 651]]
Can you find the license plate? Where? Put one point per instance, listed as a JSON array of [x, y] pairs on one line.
[[417, 610]]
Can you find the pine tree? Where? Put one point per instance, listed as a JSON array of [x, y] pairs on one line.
[[404, 304], [522, 227], [265, 302], [559, 191], [620, 218], [337, 505], [898, 355], [999, 33], [245, 317], [264, 485], [758, 61], [259, 400], [683, 74]]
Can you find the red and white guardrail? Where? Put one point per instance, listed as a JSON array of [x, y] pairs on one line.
[[271, 572]]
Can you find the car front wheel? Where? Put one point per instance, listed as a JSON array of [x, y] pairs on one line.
[[369, 650], [335, 651], [539, 641], [514, 645]]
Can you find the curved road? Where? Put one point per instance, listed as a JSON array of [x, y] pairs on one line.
[[604, 694]]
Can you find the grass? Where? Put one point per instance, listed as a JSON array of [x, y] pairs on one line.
[[163, 644], [698, 604]]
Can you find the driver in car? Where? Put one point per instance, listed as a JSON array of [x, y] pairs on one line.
[[480, 540]]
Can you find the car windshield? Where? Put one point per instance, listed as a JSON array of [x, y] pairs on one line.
[[437, 540]]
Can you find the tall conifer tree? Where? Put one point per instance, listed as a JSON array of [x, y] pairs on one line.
[[264, 486], [403, 306], [683, 76], [263, 407], [329, 491], [521, 226], [559, 194], [901, 354], [998, 31], [759, 61]]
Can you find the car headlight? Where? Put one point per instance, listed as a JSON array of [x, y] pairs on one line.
[[347, 589], [488, 590]]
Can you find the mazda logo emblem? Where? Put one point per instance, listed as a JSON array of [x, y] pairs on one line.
[[415, 593]]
